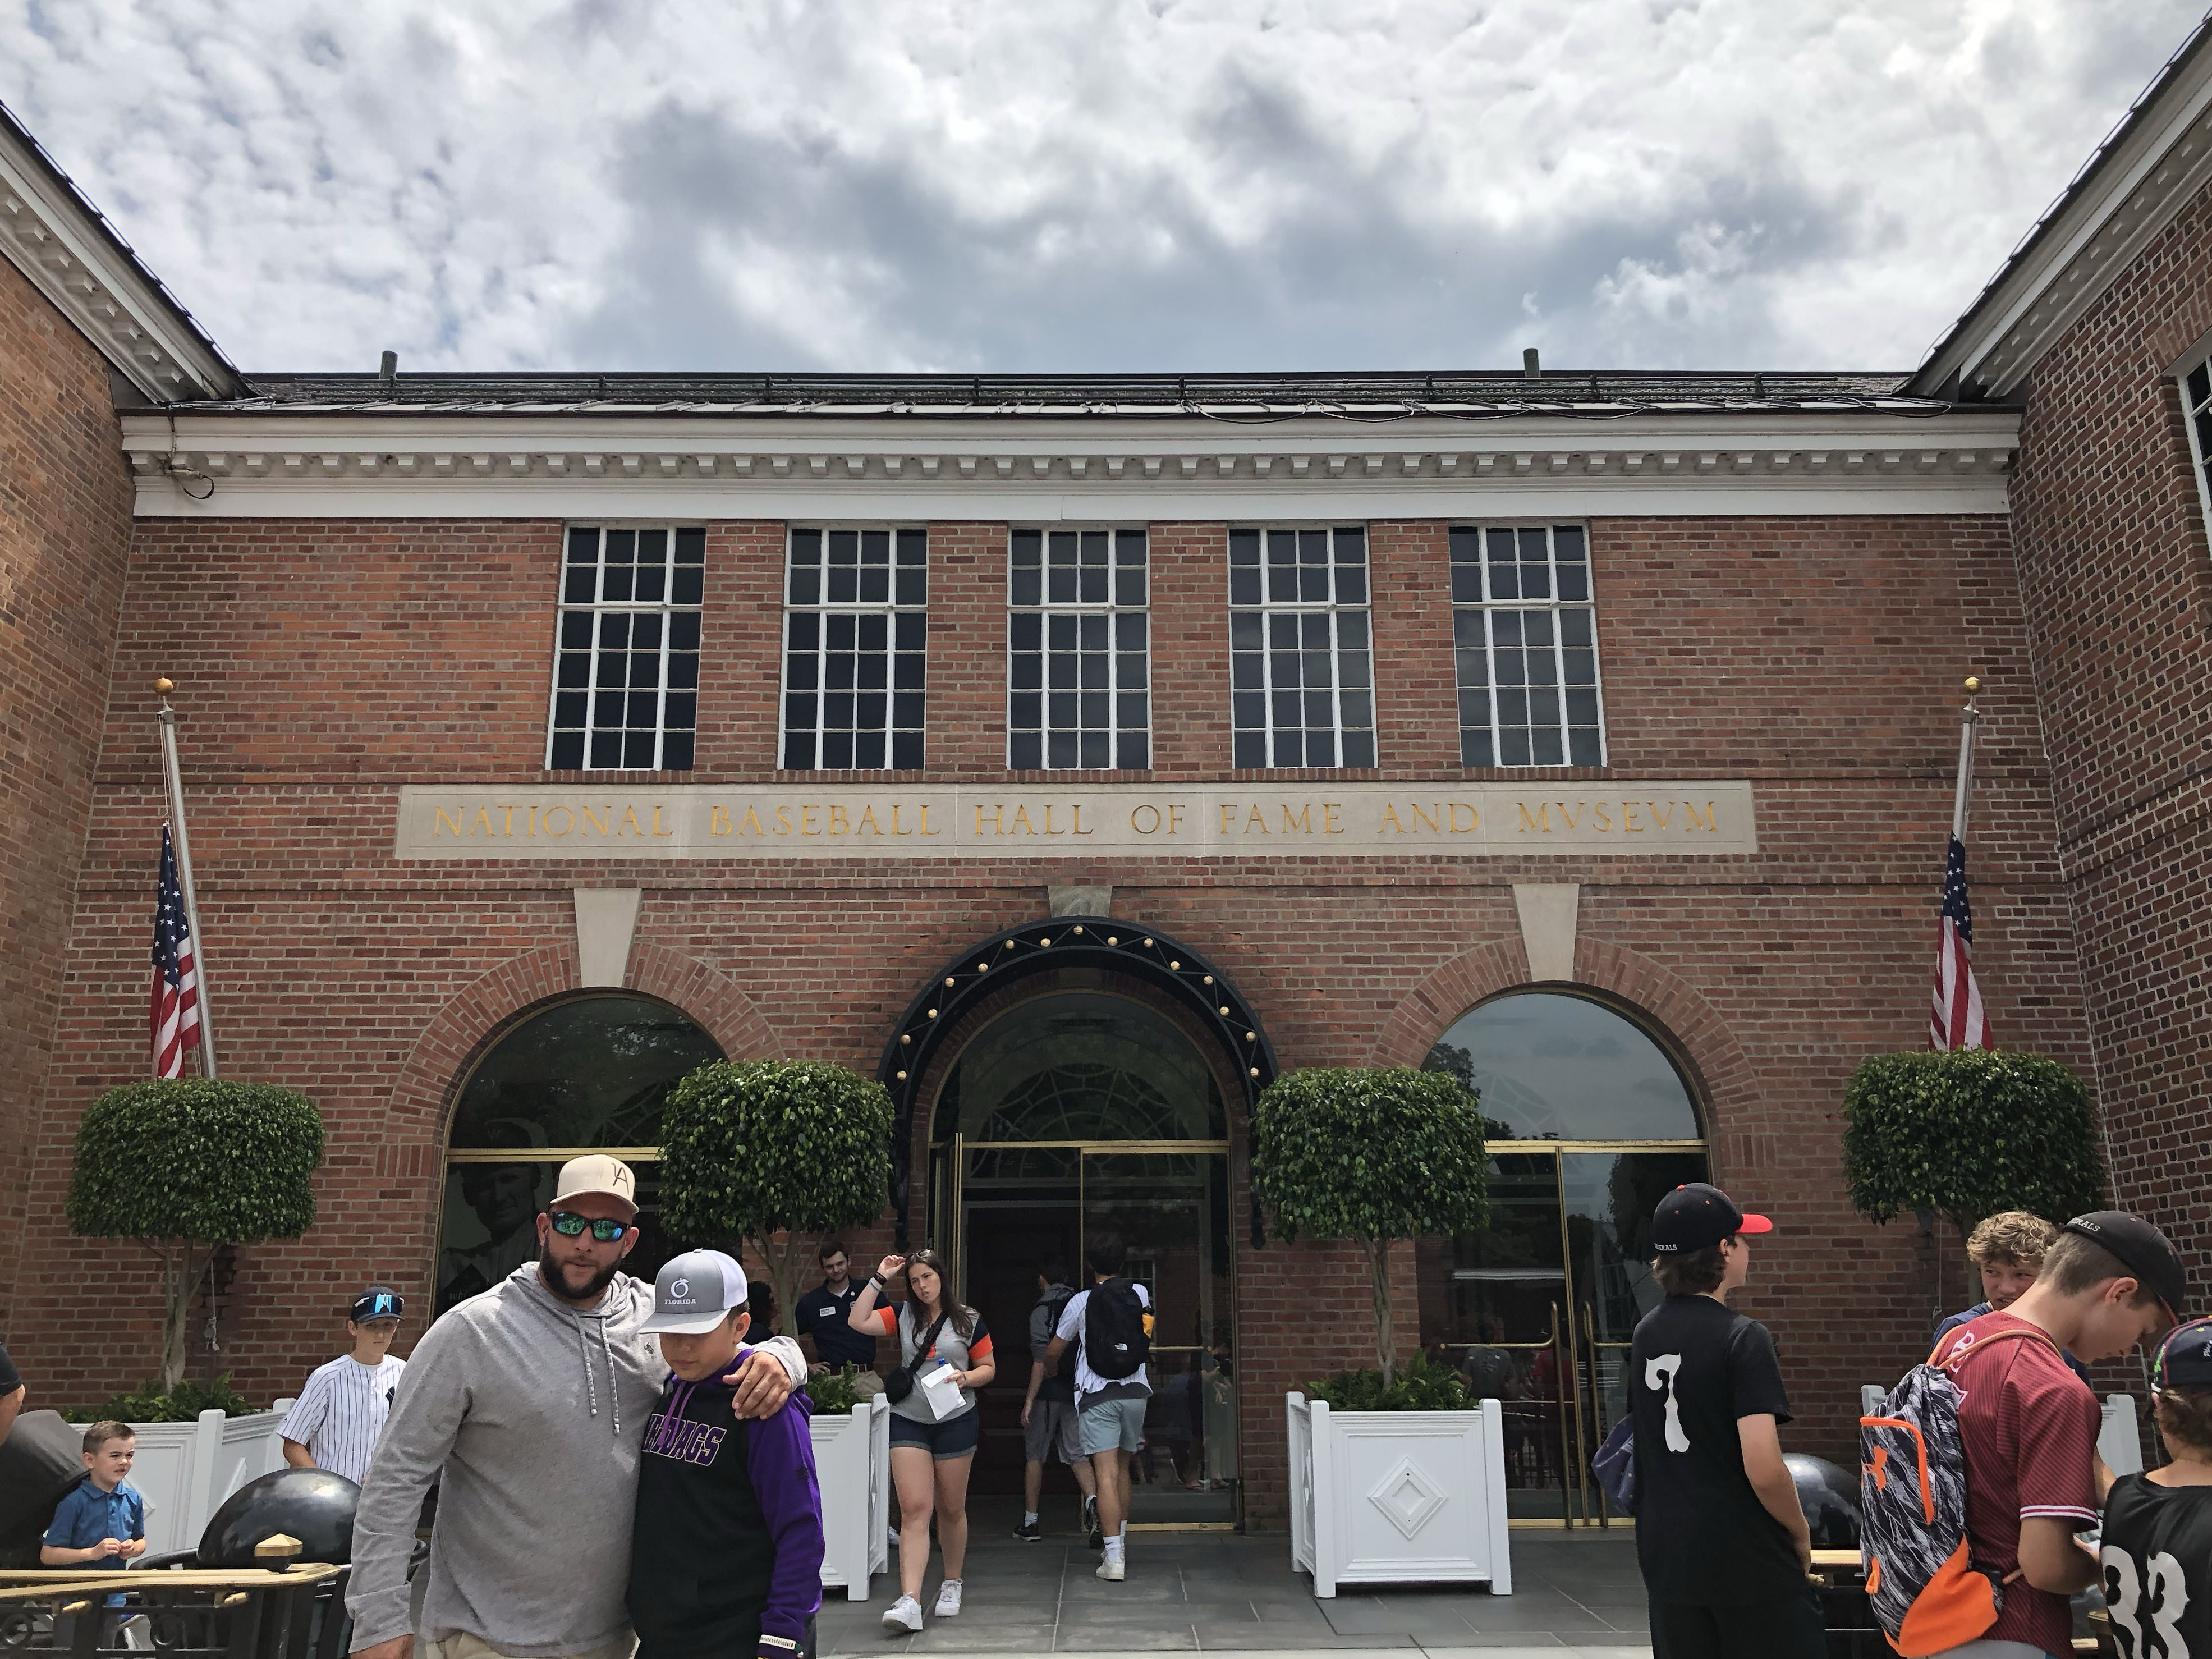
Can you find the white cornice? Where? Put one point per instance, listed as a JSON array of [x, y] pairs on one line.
[[60, 245], [2153, 171], [268, 465]]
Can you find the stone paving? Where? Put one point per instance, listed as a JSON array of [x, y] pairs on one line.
[[1226, 1591]]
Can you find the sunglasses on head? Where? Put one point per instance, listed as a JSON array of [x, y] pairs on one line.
[[569, 1225]]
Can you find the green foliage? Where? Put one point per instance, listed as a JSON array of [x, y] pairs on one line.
[[755, 1148], [1370, 1152], [1965, 1132], [832, 1392], [218, 1163], [182, 1404], [1421, 1386]]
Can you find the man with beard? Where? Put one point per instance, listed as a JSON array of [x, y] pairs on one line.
[[531, 1402]]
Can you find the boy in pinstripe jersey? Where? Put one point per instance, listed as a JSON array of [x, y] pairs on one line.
[[340, 1410]]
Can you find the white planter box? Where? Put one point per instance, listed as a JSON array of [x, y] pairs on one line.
[[184, 1470], [1399, 1497], [853, 1462]]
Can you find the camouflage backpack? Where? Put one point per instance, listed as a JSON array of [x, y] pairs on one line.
[[1921, 1578]]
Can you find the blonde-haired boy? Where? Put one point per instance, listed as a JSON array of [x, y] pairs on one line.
[[2009, 1247]]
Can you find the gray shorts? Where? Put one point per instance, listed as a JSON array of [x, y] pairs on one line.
[[1052, 1429], [1113, 1425]]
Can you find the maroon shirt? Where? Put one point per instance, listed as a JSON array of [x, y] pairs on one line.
[[2029, 1427]]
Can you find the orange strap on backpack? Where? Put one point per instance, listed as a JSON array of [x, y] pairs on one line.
[[2032, 1335]]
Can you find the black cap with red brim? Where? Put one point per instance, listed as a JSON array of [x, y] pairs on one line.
[[1696, 1216]]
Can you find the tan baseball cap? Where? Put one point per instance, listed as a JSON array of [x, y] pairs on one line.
[[598, 1173]]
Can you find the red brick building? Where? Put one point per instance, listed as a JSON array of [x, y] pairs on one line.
[[1075, 753]]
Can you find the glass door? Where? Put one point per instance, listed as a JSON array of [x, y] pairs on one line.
[[1541, 1304], [1165, 1207]]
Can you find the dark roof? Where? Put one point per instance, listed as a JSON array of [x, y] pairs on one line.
[[1582, 393], [106, 229], [2083, 182]]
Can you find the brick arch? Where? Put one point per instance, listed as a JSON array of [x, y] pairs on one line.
[[1720, 1071], [421, 1099], [411, 1147]]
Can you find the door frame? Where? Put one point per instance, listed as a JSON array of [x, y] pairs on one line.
[[1573, 1337]]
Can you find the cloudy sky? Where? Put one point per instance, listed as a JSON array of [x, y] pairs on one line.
[[1073, 185]]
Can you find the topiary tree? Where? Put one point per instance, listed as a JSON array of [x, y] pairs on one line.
[[1965, 1132], [1372, 1153], [754, 1149], [186, 1165]]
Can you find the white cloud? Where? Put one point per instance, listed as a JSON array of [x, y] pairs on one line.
[[1194, 184]]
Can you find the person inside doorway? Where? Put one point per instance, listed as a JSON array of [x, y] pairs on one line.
[[930, 1456], [1048, 1418], [1111, 1326], [339, 1413], [825, 1323]]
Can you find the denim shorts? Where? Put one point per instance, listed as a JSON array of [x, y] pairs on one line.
[[1113, 1426], [956, 1437]]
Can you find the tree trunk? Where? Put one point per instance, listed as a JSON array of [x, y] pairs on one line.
[[1386, 1346], [782, 1261], [179, 1284]]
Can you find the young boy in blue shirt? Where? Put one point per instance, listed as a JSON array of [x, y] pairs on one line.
[[726, 1552], [100, 1524]]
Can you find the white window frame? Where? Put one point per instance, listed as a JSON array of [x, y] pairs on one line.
[[825, 608], [1488, 606], [1270, 606], [1113, 610], [666, 608], [2197, 420]]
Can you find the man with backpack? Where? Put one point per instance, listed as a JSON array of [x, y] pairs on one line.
[[1111, 1326], [1049, 1419], [1980, 1561], [1719, 1531]]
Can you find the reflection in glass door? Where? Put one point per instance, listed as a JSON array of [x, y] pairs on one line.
[[1588, 1122]]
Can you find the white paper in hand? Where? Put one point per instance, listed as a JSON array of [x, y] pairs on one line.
[[939, 1392]]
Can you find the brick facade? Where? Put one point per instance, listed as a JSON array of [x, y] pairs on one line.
[[66, 506], [324, 664], [2116, 579]]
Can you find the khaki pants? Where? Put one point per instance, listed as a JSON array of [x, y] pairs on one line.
[[466, 1645]]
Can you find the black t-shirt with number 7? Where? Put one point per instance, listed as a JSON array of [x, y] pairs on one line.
[[1702, 1535]]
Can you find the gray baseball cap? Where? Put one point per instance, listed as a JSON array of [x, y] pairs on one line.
[[695, 1291]]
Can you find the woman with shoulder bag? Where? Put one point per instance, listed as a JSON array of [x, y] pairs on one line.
[[930, 1456]]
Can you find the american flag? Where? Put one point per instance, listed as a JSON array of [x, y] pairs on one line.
[[1956, 1020], [176, 1012]]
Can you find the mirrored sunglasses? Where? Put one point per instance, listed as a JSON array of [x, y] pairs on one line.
[[569, 1225]]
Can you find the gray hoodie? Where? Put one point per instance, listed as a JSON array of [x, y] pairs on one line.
[[535, 1411]]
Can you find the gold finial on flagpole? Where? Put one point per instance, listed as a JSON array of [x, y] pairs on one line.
[[163, 686], [1974, 684]]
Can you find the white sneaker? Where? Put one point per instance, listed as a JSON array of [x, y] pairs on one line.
[[1111, 1570], [903, 1614], [948, 1599]]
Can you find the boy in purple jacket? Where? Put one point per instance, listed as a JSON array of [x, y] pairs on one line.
[[725, 1557]]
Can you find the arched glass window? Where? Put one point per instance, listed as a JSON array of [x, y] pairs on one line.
[[1555, 1067], [1083, 1066], [1591, 1123], [590, 1075]]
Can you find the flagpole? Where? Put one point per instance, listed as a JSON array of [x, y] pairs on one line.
[[1967, 721], [174, 779]]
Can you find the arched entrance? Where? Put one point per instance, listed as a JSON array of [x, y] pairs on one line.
[[1593, 1117], [1084, 1097], [585, 1074]]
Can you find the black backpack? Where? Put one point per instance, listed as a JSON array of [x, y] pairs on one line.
[[1115, 1339]]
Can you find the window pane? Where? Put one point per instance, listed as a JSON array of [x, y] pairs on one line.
[[868, 616]]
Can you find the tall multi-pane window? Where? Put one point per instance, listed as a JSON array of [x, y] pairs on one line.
[[855, 620], [1301, 668], [2196, 395], [626, 670], [1077, 664], [1528, 693]]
